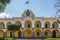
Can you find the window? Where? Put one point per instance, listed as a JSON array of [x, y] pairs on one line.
[[46, 26], [46, 33], [10, 34], [28, 25], [53, 25], [37, 25], [19, 34], [37, 33]]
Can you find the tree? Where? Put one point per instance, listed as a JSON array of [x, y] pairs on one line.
[[13, 28], [57, 6], [3, 4]]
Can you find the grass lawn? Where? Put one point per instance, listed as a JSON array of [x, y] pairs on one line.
[[6, 39], [52, 39], [9, 39]]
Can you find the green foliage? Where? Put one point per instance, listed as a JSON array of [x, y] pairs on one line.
[[3, 4], [52, 39], [2, 39], [5, 1], [9, 39], [6, 39], [13, 27]]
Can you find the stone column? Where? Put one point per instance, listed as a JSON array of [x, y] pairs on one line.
[[23, 25], [32, 33], [42, 24], [58, 25], [5, 25], [51, 34], [22, 34], [50, 24], [33, 24], [43, 33]]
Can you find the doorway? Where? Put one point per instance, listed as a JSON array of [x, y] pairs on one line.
[[54, 34]]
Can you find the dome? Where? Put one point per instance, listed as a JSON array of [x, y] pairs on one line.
[[28, 13]]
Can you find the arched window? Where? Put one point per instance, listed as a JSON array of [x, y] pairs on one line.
[[37, 24], [54, 24], [47, 24], [28, 24]]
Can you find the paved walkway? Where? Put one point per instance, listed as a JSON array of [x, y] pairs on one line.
[[29, 39]]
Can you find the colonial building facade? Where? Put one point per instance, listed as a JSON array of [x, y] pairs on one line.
[[31, 26]]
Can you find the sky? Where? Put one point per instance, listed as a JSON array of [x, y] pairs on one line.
[[41, 8]]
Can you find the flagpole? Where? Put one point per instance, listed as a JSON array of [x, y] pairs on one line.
[[27, 4]]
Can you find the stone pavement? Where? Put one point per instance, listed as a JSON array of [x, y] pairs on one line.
[[29, 39]]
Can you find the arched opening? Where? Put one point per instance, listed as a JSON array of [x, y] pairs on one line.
[[28, 24], [55, 33], [47, 33], [19, 34], [27, 33], [18, 23], [37, 33], [37, 24], [2, 25], [47, 24], [54, 25]]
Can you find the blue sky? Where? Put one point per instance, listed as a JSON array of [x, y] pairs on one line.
[[38, 7]]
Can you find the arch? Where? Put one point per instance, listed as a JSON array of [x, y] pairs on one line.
[[47, 33], [1, 33], [47, 24], [2, 25], [54, 24], [9, 23], [18, 23], [37, 24], [27, 33], [37, 33], [55, 33], [28, 24]]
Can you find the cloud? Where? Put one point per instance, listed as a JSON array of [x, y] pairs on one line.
[[3, 15]]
